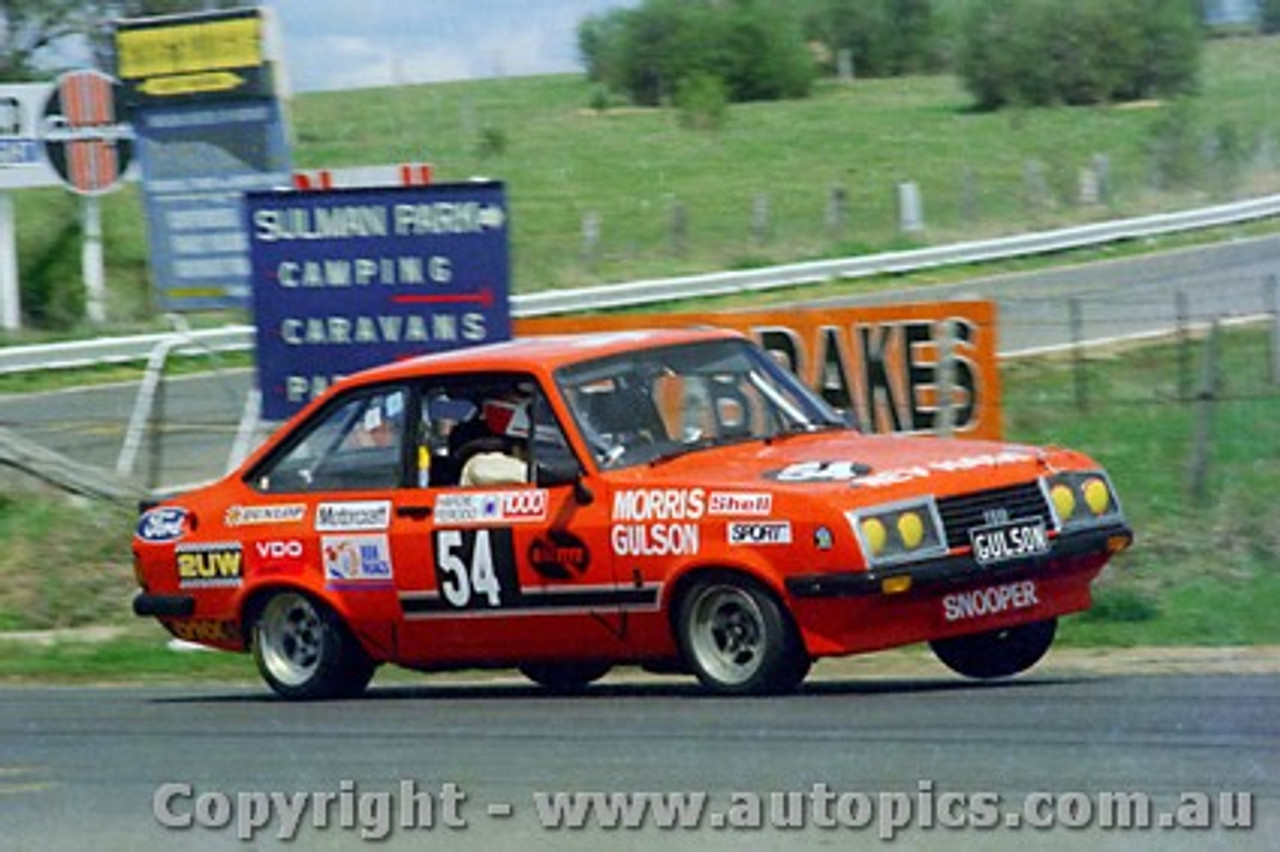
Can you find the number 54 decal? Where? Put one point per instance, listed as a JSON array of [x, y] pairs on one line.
[[476, 569]]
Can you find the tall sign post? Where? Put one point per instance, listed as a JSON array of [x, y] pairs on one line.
[[90, 148], [203, 96], [22, 166], [17, 151]]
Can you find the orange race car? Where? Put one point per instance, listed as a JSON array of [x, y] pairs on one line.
[[672, 499]]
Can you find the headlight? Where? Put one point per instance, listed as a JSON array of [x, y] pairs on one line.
[[899, 533], [1081, 499]]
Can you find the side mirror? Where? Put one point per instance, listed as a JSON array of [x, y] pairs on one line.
[[548, 474]]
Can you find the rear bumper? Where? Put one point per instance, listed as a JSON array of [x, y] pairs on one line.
[[164, 606], [961, 570]]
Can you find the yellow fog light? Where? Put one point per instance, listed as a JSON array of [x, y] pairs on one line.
[[910, 530], [1096, 496], [874, 535], [896, 585], [1064, 501]]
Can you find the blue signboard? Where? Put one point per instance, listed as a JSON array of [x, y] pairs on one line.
[[347, 279], [198, 160], [18, 152]]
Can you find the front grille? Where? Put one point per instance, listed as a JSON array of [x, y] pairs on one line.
[[964, 513]]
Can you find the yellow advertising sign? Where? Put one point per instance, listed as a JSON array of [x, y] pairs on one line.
[[889, 366], [163, 51]]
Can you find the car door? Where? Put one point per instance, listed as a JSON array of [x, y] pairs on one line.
[[507, 570]]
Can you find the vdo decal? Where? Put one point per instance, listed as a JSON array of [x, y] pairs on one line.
[[820, 471], [559, 555]]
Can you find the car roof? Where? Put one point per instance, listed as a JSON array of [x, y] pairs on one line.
[[529, 353]]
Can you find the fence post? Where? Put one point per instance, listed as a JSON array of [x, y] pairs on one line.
[[1077, 353], [679, 228], [1205, 398], [1273, 299], [945, 424], [837, 210], [969, 197], [1184, 346], [1102, 171], [760, 224], [591, 238], [910, 208]]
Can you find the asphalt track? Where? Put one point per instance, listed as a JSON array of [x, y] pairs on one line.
[[81, 767]]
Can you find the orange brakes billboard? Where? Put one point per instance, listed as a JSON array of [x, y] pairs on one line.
[[886, 364]]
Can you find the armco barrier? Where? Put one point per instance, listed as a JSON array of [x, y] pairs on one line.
[[18, 359]]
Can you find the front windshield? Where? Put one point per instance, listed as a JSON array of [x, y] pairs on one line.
[[651, 404]]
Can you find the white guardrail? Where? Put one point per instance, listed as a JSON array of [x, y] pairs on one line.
[[17, 359]]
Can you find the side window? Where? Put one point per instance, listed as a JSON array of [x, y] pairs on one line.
[[355, 445], [483, 430]]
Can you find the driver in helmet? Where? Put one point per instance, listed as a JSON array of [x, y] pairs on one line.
[[502, 461]]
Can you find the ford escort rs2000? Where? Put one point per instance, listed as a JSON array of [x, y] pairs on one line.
[[669, 499]]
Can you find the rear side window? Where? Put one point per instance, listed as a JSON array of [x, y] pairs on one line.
[[354, 445]]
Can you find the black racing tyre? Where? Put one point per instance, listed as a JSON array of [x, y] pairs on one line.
[[305, 652], [564, 678], [997, 653], [737, 638]]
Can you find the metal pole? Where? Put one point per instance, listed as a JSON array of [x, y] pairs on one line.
[[10, 305], [1204, 416], [91, 262]]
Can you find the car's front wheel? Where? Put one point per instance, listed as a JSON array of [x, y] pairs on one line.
[[997, 653], [305, 652], [738, 640]]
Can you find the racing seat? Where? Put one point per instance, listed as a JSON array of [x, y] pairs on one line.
[[465, 440], [623, 417]]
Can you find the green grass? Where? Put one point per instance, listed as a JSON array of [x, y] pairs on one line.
[[64, 562], [140, 654], [562, 160], [1203, 570]]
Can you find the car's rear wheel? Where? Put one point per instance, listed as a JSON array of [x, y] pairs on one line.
[[305, 652], [737, 638], [564, 678], [997, 653]]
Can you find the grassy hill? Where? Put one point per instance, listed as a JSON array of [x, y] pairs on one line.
[[980, 174]]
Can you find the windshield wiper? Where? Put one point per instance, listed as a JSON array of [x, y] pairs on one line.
[[803, 428]]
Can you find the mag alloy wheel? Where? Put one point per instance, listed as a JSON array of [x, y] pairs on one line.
[[737, 639], [304, 651]]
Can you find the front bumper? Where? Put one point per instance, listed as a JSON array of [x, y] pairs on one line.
[[961, 570]]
